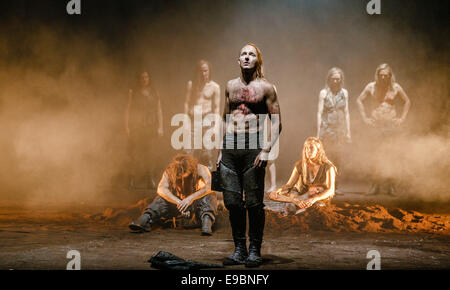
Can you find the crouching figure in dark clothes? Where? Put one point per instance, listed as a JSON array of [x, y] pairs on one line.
[[184, 191], [248, 99], [312, 181]]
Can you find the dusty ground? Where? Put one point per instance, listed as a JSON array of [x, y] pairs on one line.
[[39, 238]]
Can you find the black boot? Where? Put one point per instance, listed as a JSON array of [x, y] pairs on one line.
[[240, 254], [238, 221], [256, 220], [254, 254], [143, 224], [207, 225]]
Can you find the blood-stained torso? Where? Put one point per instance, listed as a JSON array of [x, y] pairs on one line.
[[245, 103]]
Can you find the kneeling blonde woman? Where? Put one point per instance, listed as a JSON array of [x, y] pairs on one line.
[[312, 180]]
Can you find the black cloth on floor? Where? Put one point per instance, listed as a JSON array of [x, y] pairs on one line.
[[167, 261]]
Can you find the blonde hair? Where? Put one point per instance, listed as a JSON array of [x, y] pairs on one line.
[[259, 63], [331, 72], [391, 73], [320, 158]]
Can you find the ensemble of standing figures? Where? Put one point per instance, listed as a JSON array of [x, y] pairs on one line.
[[184, 189]]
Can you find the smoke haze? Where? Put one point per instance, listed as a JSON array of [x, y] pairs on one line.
[[64, 82]]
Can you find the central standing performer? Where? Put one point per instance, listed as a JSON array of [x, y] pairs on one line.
[[249, 99]]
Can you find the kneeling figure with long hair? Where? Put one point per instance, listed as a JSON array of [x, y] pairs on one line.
[[312, 180]]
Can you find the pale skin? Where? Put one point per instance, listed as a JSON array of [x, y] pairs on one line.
[[209, 92], [247, 90], [184, 203], [335, 87], [314, 194], [146, 90], [378, 93]]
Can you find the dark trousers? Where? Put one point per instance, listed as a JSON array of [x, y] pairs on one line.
[[161, 209], [243, 192]]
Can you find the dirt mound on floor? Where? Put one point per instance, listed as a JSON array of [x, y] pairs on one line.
[[358, 218], [348, 218]]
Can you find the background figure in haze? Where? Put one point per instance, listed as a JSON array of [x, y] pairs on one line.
[[202, 93], [333, 117], [143, 124], [384, 121], [184, 191], [247, 98], [312, 181]]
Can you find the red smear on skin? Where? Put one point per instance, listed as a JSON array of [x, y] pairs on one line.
[[243, 108], [246, 95]]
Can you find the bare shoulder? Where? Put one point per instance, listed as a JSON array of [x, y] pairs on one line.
[[214, 84], [345, 93], [266, 83], [331, 170], [164, 177], [397, 87], [370, 86], [231, 84], [203, 170], [369, 89], [268, 86]]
